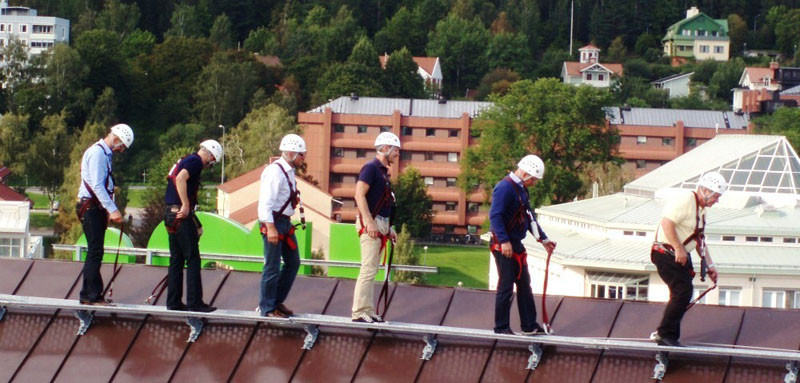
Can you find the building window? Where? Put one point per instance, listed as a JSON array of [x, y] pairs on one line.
[[751, 239], [361, 153], [719, 49], [449, 229], [386, 129], [2, 42], [452, 157], [454, 133], [766, 239], [704, 49], [430, 132], [338, 128], [10, 247], [42, 29], [337, 178], [686, 32], [472, 229], [640, 234], [450, 206], [338, 152], [641, 164], [451, 182], [730, 296], [666, 141], [405, 155], [362, 129], [428, 181], [588, 77], [406, 131], [728, 238], [23, 28], [641, 140], [627, 232], [696, 291], [691, 142], [428, 156], [775, 299], [600, 77], [790, 240], [473, 207]]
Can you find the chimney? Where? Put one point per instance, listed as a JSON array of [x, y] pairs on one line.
[[691, 12], [774, 65]]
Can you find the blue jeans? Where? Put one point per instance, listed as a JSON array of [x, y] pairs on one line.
[[276, 281]]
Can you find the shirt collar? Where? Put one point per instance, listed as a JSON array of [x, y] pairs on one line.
[[515, 178], [284, 164], [380, 164], [106, 149]]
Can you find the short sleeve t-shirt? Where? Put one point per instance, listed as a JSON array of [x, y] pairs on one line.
[[377, 176], [194, 165], [681, 210]]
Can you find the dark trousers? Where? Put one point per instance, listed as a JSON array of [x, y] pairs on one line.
[[183, 249], [507, 270], [95, 222], [679, 281], [276, 281]]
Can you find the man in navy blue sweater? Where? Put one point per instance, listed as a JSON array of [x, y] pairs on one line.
[[511, 219]]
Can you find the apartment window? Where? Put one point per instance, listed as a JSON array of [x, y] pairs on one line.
[[472, 229], [42, 29], [701, 32], [451, 182], [337, 178], [751, 239], [450, 206], [641, 164], [600, 77], [428, 156], [23, 28], [428, 181], [641, 140], [430, 132], [406, 131], [728, 238], [362, 129], [719, 49], [386, 129], [338, 128], [449, 229], [696, 291], [704, 49], [452, 157], [686, 32], [453, 133], [666, 141], [2, 27], [2, 42], [790, 240], [691, 142], [640, 234], [588, 77], [773, 299], [609, 291], [766, 239], [405, 155], [361, 153], [473, 207], [730, 296], [10, 247], [338, 152], [627, 232]]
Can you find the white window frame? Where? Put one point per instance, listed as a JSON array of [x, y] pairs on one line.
[[730, 296], [641, 140], [428, 181], [452, 157], [775, 299]]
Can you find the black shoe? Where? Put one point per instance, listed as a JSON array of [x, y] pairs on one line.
[[669, 342], [276, 314], [204, 308], [506, 331], [284, 310], [182, 307]]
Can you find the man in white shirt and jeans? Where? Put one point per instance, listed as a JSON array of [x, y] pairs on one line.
[[278, 197]]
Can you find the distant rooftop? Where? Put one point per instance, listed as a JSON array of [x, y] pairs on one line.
[[669, 117], [407, 107]]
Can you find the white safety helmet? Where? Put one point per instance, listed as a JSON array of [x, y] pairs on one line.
[[124, 132], [214, 148], [293, 143], [532, 165], [713, 181], [387, 138]]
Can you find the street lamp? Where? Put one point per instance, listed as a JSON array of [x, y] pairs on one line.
[[425, 257], [222, 178]]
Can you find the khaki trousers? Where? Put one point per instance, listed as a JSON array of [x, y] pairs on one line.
[[363, 297]]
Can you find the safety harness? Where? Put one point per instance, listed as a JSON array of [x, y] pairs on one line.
[[94, 201], [698, 235], [296, 202]]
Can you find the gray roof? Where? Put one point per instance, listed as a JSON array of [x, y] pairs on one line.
[[669, 117], [407, 107], [793, 91], [671, 78]]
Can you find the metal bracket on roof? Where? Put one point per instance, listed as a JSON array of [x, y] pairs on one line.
[[536, 356], [85, 320], [2, 312], [312, 332], [430, 346], [195, 328], [661, 366], [791, 376]]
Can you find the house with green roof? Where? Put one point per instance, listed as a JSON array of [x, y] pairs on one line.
[[697, 36]]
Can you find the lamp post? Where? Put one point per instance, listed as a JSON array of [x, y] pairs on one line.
[[222, 178]]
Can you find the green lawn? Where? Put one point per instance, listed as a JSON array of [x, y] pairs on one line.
[[136, 197], [469, 265], [42, 220], [40, 201]]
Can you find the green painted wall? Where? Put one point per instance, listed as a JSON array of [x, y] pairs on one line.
[[345, 246], [111, 240]]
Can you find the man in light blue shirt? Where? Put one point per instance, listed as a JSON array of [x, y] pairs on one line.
[[96, 206]]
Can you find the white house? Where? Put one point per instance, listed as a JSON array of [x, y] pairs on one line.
[[38, 33], [589, 70], [676, 85], [15, 238], [753, 233], [430, 69]]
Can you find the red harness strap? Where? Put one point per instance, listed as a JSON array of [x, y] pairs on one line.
[[521, 258], [286, 238], [697, 235]]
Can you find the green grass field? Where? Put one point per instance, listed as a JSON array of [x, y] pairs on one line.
[[469, 265], [40, 201], [42, 220], [136, 197]]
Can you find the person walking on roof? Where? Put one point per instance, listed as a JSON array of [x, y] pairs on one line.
[[680, 231], [376, 204], [184, 229], [277, 200], [511, 217], [96, 206]]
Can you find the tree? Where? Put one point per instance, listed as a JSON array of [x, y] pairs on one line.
[[509, 50], [256, 139], [402, 76], [461, 47], [786, 23], [404, 254], [223, 89], [497, 81], [181, 136], [118, 17], [261, 41], [361, 74], [221, 34], [785, 122], [48, 154], [737, 31], [402, 30], [64, 78], [726, 78], [617, 51], [100, 51], [104, 111], [552, 62], [13, 141], [562, 124], [415, 206], [186, 21], [137, 43]]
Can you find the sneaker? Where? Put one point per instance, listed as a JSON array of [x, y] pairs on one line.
[[283, 309], [669, 342], [654, 336], [204, 308], [182, 307], [364, 318], [276, 314], [536, 331], [506, 331], [377, 318]]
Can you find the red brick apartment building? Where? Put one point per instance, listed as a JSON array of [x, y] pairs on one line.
[[434, 134], [651, 137]]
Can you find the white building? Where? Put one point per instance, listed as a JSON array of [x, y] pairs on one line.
[[15, 238], [677, 85], [38, 33], [753, 232], [589, 70]]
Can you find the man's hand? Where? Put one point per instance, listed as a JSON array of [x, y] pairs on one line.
[[183, 212], [680, 256], [505, 248], [712, 273], [549, 246], [116, 217], [372, 228], [392, 234], [199, 231], [272, 233]]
